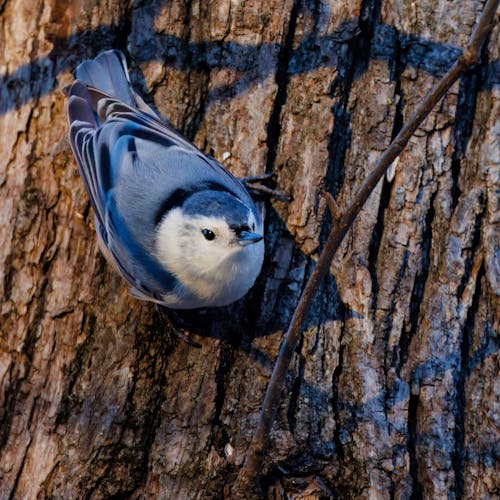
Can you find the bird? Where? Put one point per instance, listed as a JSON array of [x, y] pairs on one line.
[[176, 225]]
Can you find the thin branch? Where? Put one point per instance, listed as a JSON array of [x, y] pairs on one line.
[[249, 474], [333, 207]]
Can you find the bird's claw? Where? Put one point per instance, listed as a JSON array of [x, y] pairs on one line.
[[173, 328], [256, 185]]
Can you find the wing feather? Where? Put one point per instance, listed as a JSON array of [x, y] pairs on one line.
[[90, 144]]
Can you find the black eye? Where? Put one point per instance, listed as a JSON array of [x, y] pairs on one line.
[[209, 235]]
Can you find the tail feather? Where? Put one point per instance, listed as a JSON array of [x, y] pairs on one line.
[[108, 72], [79, 108]]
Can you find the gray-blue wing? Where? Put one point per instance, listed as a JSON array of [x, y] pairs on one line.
[[97, 163]]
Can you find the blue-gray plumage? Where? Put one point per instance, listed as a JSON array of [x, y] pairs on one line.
[[177, 226]]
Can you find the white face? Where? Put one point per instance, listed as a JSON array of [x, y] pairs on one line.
[[196, 246]]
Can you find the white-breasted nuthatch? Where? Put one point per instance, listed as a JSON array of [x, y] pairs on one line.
[[173, 221]]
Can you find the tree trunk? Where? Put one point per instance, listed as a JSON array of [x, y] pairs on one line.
[[394, 389]]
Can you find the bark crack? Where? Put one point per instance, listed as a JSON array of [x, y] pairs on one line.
[[385, 196], [376, 240], [461, 400], [470, 84], [12, 495], [281, 78], [417, 293], [416, 493], [220, 436], [470, 285], [296, 386], [337, 372], [351, 66], [82, 354]]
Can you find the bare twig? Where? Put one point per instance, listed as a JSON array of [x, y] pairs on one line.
[[247, 479], [333, 207]]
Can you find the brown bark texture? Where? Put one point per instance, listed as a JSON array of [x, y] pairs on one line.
[[394, 389]]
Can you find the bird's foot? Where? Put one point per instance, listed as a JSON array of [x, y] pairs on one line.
[[174, 323], [257, 185]]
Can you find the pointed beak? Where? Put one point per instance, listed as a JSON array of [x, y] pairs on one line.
[[247, 238]]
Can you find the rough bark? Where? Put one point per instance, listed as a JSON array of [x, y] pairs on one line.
[[394, 389]]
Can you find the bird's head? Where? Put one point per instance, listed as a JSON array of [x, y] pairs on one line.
[[210, 232]]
